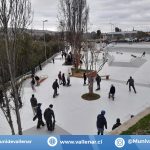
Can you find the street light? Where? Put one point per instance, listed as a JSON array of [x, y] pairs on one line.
[[44, 39]]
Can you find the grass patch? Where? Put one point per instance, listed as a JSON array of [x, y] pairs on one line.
[[140, 128], [90, 97]]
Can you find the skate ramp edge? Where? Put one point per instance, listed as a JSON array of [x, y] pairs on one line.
[[43, 131]]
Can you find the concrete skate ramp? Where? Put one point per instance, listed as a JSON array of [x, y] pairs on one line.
[[43, 131], [133, 63]]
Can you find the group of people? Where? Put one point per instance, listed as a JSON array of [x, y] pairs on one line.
[[49, 115], [112, 90], [62, 81], [102, 123], [101, 120]]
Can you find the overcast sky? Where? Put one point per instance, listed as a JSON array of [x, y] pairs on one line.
[[104, 14]]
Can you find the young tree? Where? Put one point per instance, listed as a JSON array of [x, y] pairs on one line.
[[15, 16], [74, 14]]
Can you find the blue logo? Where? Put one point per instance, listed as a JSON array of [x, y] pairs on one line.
[[52, 141]]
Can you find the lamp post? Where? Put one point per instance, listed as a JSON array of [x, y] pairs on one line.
[[44, 39]]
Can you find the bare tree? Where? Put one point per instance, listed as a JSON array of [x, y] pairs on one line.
[[4, 105], [74, 14], [15, 15]]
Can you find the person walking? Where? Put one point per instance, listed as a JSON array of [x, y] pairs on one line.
[[33, 102], [49, 117], [55, 86], [117, 124], [39, 116], [101, 123], [131, 84], [85, 78], [98, 80], [63, 79], [112, 92]]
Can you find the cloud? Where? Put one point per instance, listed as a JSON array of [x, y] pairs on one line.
[[125, 14]]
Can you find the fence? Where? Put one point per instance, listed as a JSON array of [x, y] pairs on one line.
[[23, 77]]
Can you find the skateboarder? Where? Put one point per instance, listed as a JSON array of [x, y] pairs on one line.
[[112, 91], [101, 123], [131, 84], [55, 86], [33, 102]]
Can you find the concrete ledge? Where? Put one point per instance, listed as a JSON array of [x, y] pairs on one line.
[[43, 131], [125, 126]]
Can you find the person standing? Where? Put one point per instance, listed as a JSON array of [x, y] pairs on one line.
[[49, 118], [33, 102], [112, 91], [63, 79], [131, 84], [84, 77], [68, 79], [53, 60], [2, 99], [60, 78], [55, 86], [101, 123], [39, 116], [98, 80], [117, 124], [37, 80], [143, 54], [33, 84], [40, 67]]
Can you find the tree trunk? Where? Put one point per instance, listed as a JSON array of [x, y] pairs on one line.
[[12, 78], [91, 80], [8, 115]]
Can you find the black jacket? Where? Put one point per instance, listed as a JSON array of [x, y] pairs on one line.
[[49, 114], [33, 101], [101, 121], [112, 90], [98, 79], [55, 85], [39, 113], [131, 82], [116, 125]]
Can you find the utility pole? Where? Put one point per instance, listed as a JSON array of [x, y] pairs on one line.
[[44, 40]]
